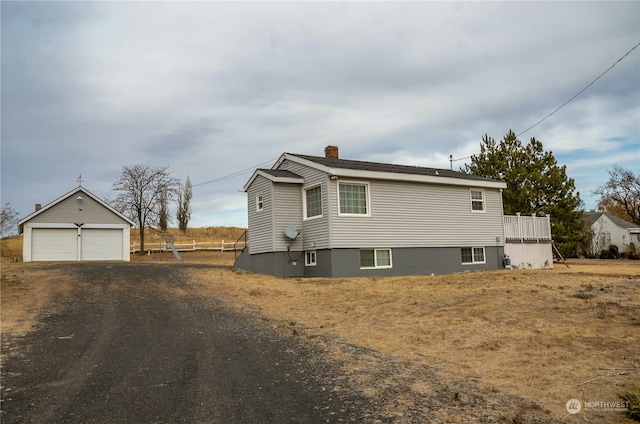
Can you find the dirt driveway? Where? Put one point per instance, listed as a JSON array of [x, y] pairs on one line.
[[138, 342]]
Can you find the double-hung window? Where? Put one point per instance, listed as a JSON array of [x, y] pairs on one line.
[[375, 258], [472, 255], [259, 202], [477, 201], [353, 198], [313, 202]]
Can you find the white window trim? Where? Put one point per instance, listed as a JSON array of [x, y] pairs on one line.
[[307, 262], [367, 194], [375, 259], [304, 202], [473, 261], [259, 202], [484, 200]]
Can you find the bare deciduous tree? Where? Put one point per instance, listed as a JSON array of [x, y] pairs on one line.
[[184, 206], [140, 189], [163, 218], [8, 220], [622, 191]]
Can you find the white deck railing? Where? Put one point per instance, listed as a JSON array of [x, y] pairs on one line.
[[526, 228]]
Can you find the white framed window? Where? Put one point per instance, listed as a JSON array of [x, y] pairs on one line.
[[472, 255], [477, 200], [310, 258], [259, 202], [353, 199], [375, 258], [312, 202]]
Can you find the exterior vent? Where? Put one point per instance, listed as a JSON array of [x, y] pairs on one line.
[[38, 206]]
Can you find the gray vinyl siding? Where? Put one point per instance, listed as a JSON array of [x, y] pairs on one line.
[[288, 212], [418, 215], [282, 207], [315, 231], [68, 211], [261, 224]]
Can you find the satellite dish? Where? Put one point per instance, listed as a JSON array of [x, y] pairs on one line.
[[291, 232]]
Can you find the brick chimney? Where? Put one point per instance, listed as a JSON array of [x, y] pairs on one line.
[[331, 152]]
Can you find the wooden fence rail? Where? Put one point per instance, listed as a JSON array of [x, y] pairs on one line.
[[222, 246]]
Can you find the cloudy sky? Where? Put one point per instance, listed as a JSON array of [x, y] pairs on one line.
[[211, 89]]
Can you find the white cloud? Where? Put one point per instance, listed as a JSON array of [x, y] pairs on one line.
[[210, 88]]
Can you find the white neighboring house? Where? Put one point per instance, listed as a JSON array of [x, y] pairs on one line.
[[78, 226], [608, 229]]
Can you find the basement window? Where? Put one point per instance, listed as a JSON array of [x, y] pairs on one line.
[[310, 258], [472, 255], [375, 258]]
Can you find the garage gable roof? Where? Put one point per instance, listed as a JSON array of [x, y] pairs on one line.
[[73, 192]]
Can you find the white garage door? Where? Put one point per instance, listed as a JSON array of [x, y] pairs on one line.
[[101, 244], [54, 244]]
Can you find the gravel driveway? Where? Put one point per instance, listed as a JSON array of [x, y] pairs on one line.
[[123, 347]]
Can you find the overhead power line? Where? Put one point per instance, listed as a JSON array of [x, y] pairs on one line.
[[580, 92], [235, 174]]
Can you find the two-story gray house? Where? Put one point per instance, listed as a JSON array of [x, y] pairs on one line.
[[325, 216]]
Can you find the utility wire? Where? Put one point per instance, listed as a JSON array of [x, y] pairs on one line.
[[235, 174], [580, 92], [451, 159]]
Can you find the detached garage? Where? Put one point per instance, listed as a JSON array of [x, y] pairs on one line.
[[78, 226]]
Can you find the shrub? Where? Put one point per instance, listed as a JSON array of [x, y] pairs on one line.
[[632, 252], [613, 252]]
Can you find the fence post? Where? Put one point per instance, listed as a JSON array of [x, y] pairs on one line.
[[519, 228], [194, 245], [222, 246], [535, 227]]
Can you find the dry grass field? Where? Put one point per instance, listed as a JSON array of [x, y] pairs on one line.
[[546, 336]]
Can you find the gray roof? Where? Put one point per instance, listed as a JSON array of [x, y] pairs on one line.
[[387, 167], [593, 217]]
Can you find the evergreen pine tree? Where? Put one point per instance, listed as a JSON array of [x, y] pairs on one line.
[[535, 185]]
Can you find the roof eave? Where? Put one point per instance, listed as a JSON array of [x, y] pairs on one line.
[[429, 179], [273, 178]]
